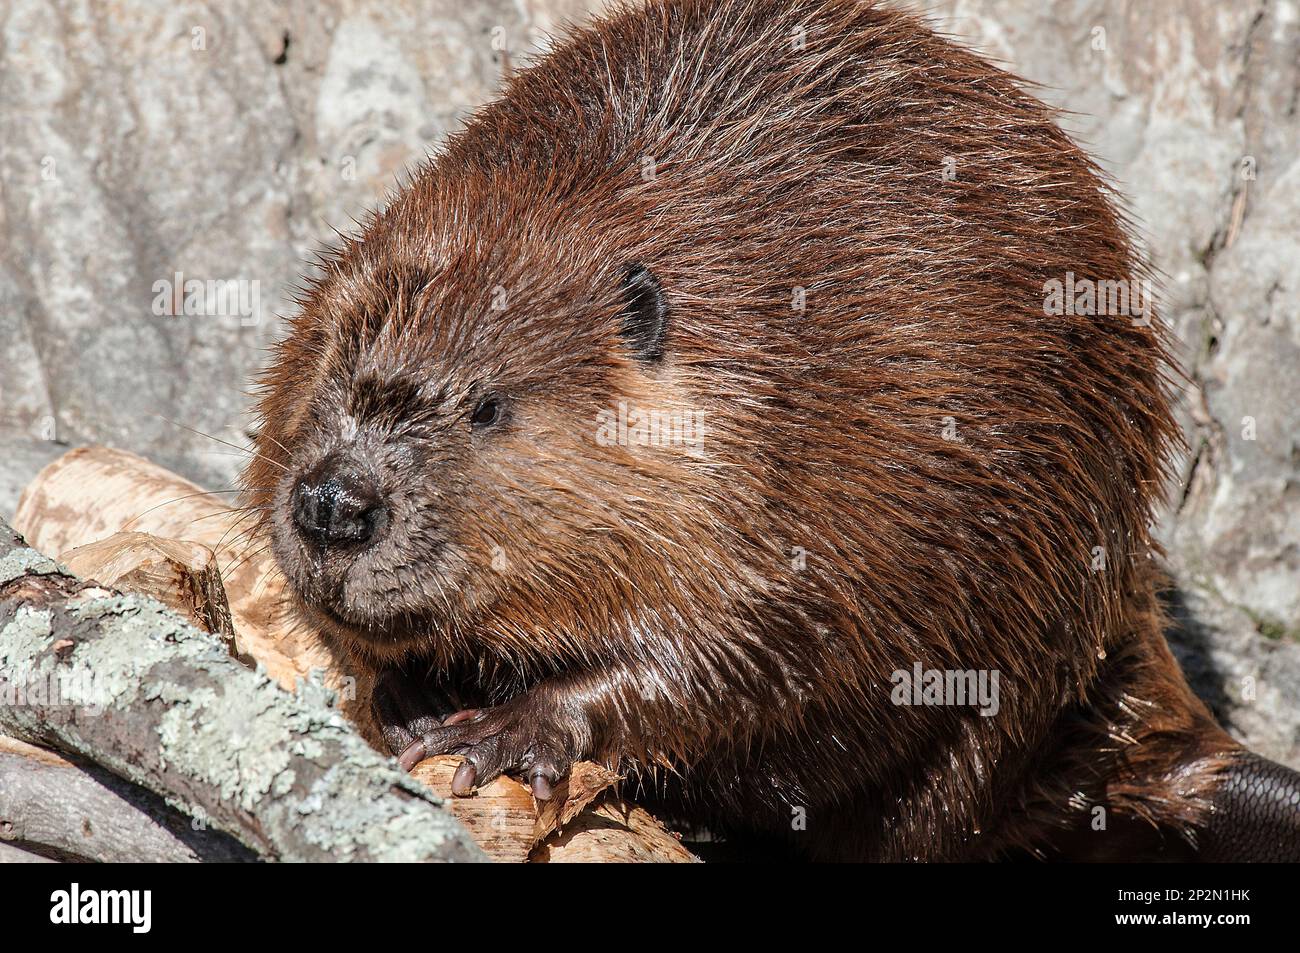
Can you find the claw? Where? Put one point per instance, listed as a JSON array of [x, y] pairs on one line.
[[493, 741], [462, 782], [541, 787], [412, 755]]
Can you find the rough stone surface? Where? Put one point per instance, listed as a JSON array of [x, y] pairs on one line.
[[223, 141], [219, 142]]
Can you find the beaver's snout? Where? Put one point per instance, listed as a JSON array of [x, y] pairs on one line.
[[337, 504]]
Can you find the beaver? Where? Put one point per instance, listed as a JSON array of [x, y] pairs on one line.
[[704, 408]]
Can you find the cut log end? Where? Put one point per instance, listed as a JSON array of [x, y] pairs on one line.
[[180, 574]]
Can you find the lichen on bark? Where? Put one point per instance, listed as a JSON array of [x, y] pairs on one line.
[[128, 683]]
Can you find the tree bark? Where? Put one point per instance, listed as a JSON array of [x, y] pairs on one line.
[[126, 683], [94, 492]]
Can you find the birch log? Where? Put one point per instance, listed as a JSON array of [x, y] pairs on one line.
[[180, 574]]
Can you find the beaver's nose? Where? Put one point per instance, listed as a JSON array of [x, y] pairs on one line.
[[337, 505]]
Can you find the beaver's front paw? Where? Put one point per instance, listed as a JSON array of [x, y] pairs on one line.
[[516, 737], [406, 706]]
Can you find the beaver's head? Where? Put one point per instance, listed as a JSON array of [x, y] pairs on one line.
[[441, 440]]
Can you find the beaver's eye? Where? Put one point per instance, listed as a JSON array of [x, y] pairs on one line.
[[487, 412]]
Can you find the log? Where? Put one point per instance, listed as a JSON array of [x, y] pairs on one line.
[[127, 683], [180, 574], [500, 816], [614, 832], [582, 823], [91, 493], [74, 810]]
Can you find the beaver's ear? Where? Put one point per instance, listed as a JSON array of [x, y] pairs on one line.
[[645, 313]]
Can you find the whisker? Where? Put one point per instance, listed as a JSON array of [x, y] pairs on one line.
[[266, 574], [221, 543], [188, 496], [277, 443], [233, 446], [250, 508], [246, 536], [245, 558]]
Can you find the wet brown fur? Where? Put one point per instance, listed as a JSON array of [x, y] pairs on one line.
[[657, 589]]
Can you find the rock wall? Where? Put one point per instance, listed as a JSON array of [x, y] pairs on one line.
[[1191, 106], [145, 145]]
